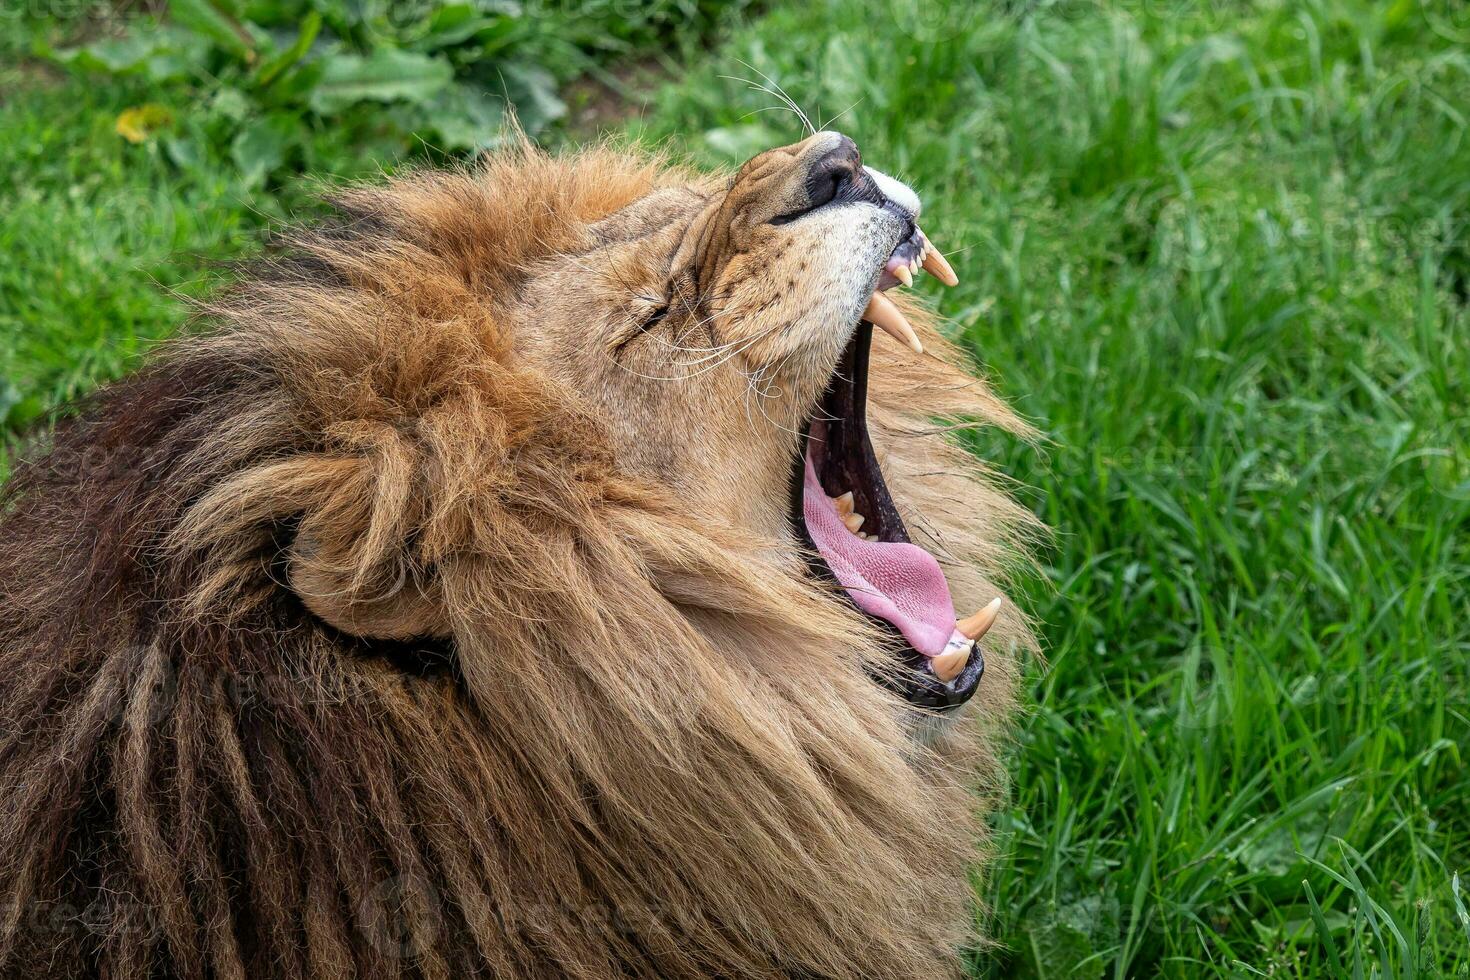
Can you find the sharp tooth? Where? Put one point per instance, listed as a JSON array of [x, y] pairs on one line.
[[843, 503], [905, 275], [947, 665], [853, 522], [979, 624], [882, 314], [936, 265]]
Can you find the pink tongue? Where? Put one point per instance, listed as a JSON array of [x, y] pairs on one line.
[[896, 581]]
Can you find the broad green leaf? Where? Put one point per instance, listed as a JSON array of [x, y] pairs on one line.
[[114, 55], [212, 20], [271, 68], [186, 152], [384, 76], [532, 90], [295, 87], [261, 147], [456, 23], [464, 118], [173, 65], [231, 104]]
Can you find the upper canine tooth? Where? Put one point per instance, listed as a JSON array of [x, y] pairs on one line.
[[937, 266], [904, 275], [843, 503], [882, 314], [853, 522], [979, 624]]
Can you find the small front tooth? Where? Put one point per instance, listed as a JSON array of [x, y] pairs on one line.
[[853, 522], [905, 275], [843, 503]]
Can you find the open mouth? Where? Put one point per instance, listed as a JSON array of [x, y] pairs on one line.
[[843, 510]]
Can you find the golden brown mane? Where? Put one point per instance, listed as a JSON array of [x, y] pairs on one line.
[[616, 741]]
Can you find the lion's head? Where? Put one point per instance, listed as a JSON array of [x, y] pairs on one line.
[[717, 335], [547, 563]]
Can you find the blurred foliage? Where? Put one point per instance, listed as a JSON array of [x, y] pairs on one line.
[[389, 77], [148, 145]]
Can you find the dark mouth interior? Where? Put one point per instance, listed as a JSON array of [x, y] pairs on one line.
[[836, 437], [843, 454]]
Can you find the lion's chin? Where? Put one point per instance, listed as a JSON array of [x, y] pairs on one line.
[[844, 514]]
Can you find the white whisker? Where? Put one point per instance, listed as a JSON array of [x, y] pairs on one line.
[[773, 89]]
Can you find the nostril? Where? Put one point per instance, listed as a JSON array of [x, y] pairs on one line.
[[832, 174], [824, 185]]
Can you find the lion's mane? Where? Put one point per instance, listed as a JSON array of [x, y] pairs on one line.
[[636, 747]]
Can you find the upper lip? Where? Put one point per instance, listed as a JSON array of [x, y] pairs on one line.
[[842, 182]]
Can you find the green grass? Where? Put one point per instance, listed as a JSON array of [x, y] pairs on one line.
[[1218, 252], [102, 238]]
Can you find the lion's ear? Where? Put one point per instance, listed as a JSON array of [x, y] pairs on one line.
[[394, 605]]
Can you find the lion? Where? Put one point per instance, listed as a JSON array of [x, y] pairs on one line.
[[542, 569]]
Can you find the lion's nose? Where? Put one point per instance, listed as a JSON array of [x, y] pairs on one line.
[[830, 172], [833, 167]]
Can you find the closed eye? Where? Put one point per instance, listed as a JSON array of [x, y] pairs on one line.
[[650, 320], [654, 318]]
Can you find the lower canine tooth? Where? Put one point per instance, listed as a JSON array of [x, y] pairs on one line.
[[905, 275], [843, 503], [947, 665], [884, 315]]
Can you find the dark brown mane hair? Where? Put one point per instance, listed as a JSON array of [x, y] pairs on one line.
[[590, 757]]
